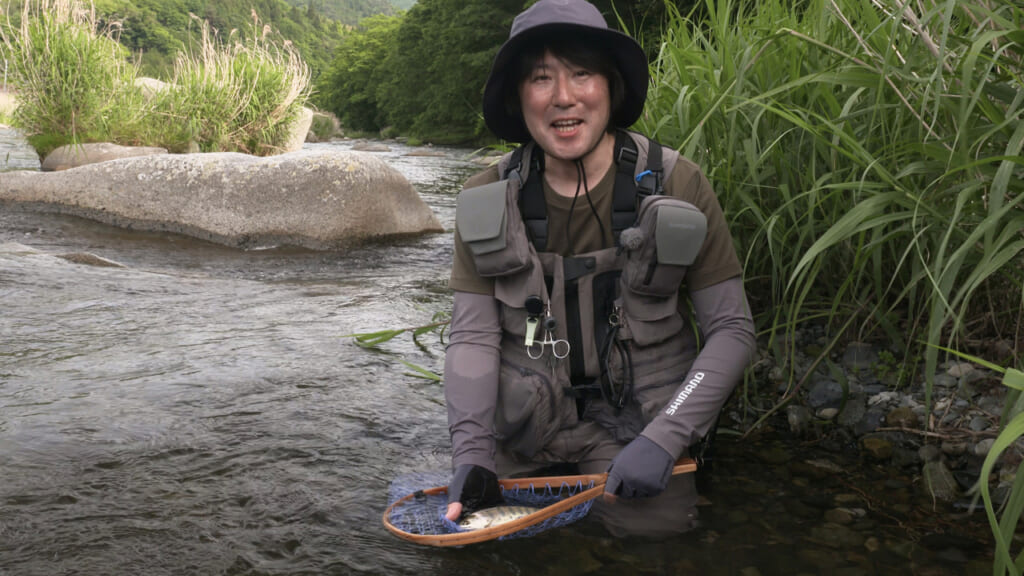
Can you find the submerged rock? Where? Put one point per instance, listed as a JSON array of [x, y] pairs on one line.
[[315, 199]]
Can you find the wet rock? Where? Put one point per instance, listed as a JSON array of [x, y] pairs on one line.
[[903, 457], [314, 199], [853, 411], [871, 421], [835, 536], [929, 453], [825, 561], [426, 152], [370, 147], [877, 447], [827, 413], [990, 404], [984, 447], [89, 259], [825, 393], [74, 155], [859, 356], [938, 482], [953, 448], [839, 516], [872, 544], [775, 454], [799, 419], [979, 423], [902, 417]]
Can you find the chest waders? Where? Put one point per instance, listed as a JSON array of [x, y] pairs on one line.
[[617, 307]]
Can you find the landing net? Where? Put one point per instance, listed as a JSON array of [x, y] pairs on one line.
[[418, 511]]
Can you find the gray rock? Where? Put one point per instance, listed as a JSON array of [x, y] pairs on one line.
[[74, 155], [929, 453], [938, 482], [370, 147], [979, 423], [944, 380], [316, 199], [799, 418], [825, 393], [984, 447], [859, 356], [871, 421], [853, 411], [297, 131]]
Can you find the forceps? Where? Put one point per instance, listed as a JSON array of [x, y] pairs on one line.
[[535, 349], [559, 347]]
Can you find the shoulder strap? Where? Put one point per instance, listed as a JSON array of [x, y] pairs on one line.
[[629, 189]]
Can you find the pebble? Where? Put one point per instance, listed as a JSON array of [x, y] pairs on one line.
[[938, 482], [902, 417], [979, 423], [877, 447], [982, 448]]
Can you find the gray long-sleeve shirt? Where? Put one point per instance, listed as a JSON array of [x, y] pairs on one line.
[[473, 359]]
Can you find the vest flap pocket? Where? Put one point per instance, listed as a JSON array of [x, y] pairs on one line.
[[480, 217], [679, 234]]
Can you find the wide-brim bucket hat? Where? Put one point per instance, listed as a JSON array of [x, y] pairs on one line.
[[551, 17]]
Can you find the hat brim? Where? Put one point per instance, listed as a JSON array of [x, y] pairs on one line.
[[629, 57]]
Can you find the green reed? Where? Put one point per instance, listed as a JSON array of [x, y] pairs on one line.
[[868, 157]]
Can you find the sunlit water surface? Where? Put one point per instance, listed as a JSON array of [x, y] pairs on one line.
[[200, 411]]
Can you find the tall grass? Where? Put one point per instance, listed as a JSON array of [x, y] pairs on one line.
[[74, 81], [77, 84], [236, 95], [867, 155]]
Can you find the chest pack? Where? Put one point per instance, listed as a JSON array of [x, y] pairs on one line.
[[630, 188]]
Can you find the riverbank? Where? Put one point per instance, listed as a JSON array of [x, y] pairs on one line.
[[860, 398]]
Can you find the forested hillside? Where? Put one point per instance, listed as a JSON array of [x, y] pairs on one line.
[[348, 12]]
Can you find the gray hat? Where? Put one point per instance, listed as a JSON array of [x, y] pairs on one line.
[[559, 16]]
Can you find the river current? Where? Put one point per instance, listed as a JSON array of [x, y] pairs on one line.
[[200, 410]]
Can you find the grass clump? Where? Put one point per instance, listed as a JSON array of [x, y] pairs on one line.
[[73, 79], [77, 84]]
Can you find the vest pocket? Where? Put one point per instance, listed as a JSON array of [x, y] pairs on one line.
[[666, 238], [490, 225], [527, 415]]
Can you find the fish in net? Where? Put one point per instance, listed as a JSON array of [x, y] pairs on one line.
[[417, 514]]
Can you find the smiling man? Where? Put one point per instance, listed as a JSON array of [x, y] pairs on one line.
[[578, 260]]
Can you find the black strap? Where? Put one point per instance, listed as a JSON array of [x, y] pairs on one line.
[[624, 193]]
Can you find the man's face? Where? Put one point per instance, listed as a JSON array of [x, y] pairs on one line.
[[566, 108]]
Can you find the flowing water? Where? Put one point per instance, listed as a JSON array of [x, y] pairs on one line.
[[200, 411]]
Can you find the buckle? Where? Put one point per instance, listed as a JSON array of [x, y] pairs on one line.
[[627, 154]]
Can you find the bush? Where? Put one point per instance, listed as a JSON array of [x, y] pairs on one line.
[[76, 85], [73, 80]]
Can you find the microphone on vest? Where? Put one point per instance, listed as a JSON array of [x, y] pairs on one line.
[[631, 238]]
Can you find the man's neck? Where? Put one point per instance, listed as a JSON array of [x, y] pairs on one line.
[[563, 176]]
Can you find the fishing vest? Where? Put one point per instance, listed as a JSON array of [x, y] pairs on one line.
[[617, 308]]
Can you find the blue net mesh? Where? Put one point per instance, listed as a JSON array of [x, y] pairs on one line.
[[423, 514]]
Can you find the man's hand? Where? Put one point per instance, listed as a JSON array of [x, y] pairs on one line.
[[640, 470], [472, 487]]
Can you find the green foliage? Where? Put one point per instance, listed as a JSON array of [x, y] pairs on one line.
[[868, 157], [76, 85], [348, 12], [73, 81], [349, 87], [234, 96]]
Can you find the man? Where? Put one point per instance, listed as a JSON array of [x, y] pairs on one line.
[[570, 342]]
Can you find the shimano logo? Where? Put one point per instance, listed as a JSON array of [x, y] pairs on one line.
[[685, 393]]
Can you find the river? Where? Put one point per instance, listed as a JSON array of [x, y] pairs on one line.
[[200, 410]]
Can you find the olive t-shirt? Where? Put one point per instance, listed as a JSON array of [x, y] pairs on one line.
[[579, 231]]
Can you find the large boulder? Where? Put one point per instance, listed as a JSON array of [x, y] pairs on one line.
[[313, 198], [75, 155]]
